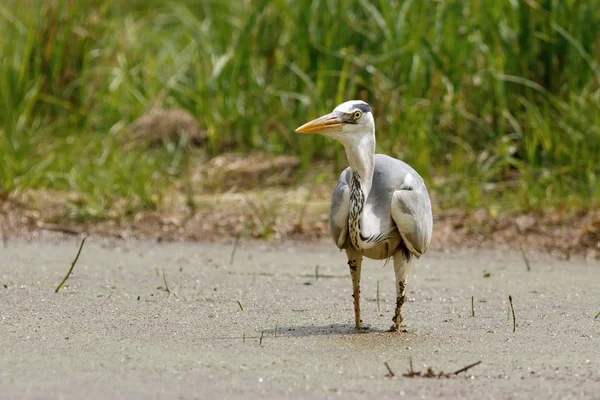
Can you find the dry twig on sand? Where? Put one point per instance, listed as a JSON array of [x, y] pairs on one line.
[[431, 374], [525, 258], [235, 245], [72, 266], [166, 285], [513, 313], [390, 373]]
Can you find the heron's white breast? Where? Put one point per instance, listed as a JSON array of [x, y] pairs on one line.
[[371, 223]]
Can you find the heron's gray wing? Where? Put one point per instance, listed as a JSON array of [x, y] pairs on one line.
[[411, 211], [340, 210], [410, 207]]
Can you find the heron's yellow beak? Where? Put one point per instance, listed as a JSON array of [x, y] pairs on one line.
[[326, 124]]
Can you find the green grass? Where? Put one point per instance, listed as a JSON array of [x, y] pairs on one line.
[[497, 104]]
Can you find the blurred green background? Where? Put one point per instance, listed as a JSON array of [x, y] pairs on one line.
[[495, 103]]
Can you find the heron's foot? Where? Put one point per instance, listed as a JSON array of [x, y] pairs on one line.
[[396, 328], [358, 324], [397, 321], [363, 328]]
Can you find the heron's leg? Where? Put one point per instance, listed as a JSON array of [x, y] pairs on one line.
[[402, 261], [355, 264]]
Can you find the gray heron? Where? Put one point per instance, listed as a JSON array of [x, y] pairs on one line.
[[380, 206]]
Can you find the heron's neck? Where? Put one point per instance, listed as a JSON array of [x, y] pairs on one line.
[[360, 152]]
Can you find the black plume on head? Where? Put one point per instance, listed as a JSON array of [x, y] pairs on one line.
[[364, 107]]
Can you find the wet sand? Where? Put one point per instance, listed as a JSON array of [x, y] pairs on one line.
[[114, 331]]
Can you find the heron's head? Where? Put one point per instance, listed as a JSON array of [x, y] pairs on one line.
[[345, 123]]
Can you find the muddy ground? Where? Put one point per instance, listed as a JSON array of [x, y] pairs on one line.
[[115, 330]]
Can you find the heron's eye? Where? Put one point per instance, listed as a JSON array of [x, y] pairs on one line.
[[357, 115]]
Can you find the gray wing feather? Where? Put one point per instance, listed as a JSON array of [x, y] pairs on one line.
[[408, 206], [412, 215], [340, 210]]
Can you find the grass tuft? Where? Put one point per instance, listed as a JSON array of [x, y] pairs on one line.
[[494, 103]]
